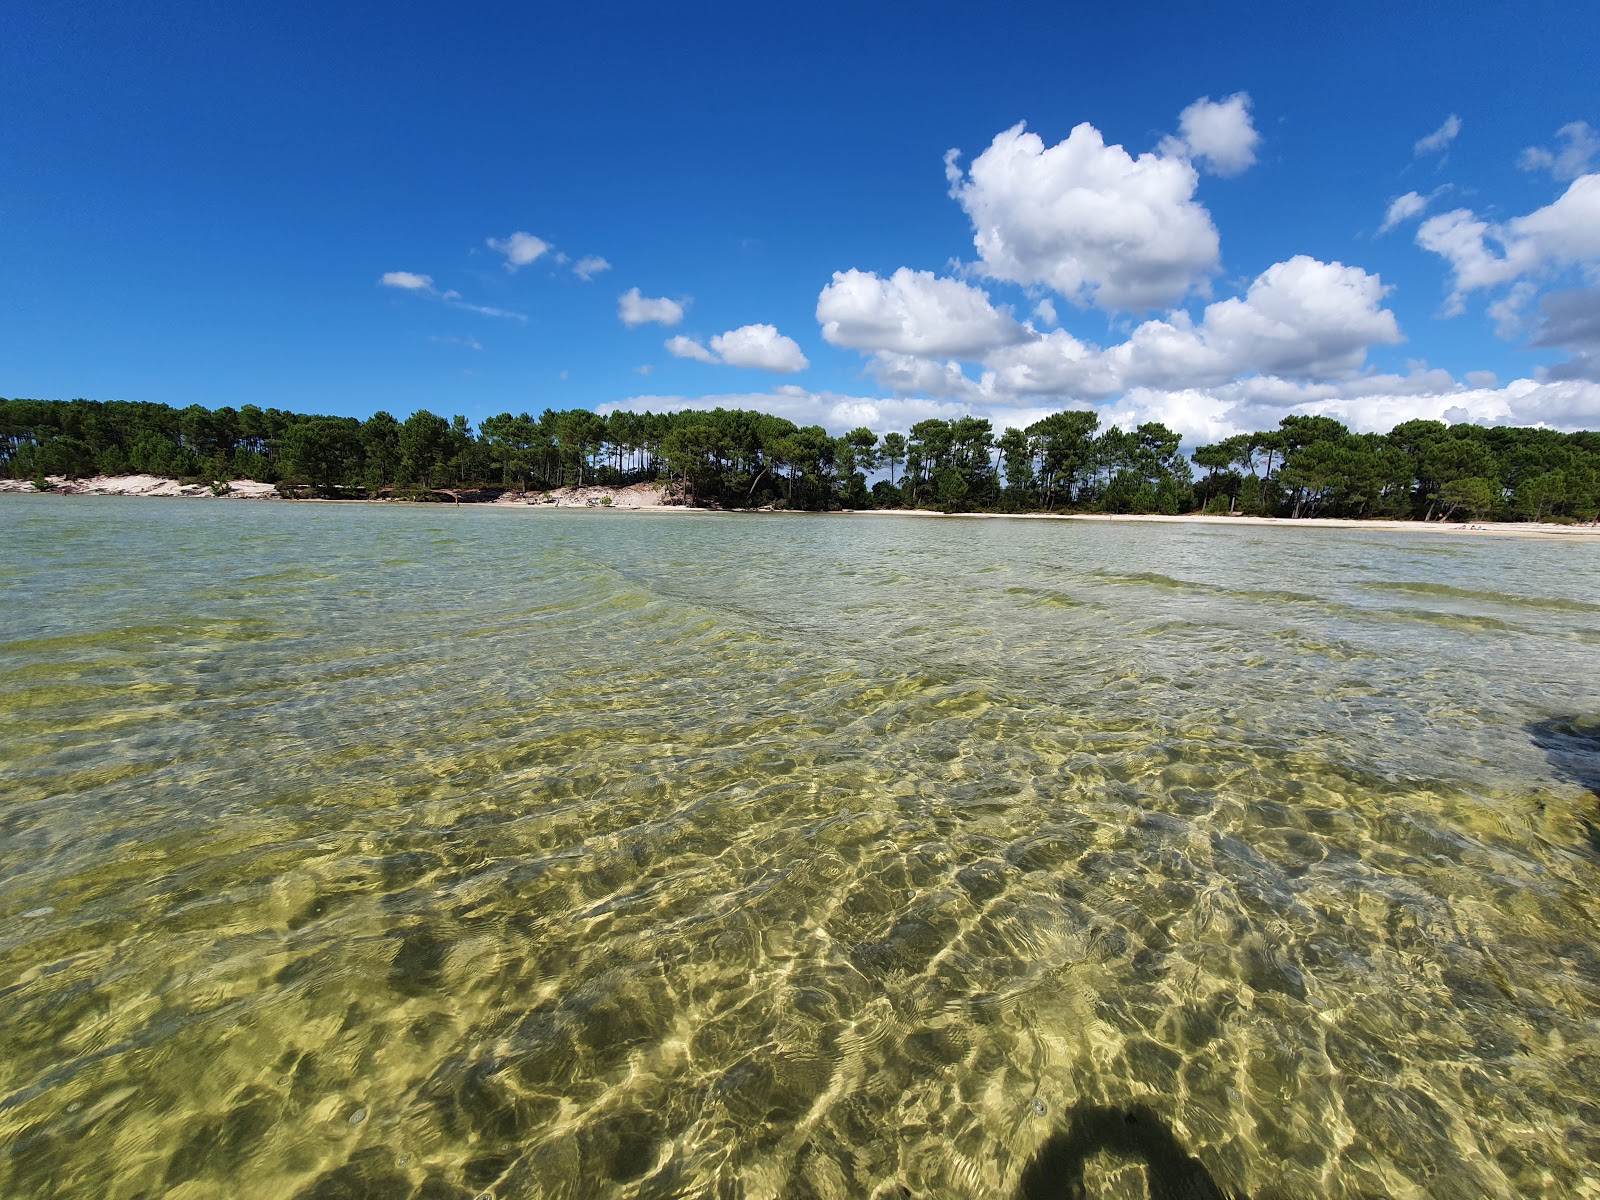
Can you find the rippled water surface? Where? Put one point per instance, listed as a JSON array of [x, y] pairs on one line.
[[369, 851]]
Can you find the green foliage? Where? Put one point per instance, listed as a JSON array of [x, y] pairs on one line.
[[1308, 467]]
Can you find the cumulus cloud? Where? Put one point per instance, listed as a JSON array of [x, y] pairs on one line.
[[1440, 138], [1045, 310], [686, 347], [520, 249], [1369, 403], [635, 310], [408, 281], [1578, 146], [1089, 220], [1402, 209], [1299, 319], [912, 312], [1372, 403], [905, 374], [590, 265], [760, 346], [1216, 133], [1485, 255]]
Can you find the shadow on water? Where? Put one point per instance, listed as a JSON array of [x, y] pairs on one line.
[[1572, 744], [1135, 1134]]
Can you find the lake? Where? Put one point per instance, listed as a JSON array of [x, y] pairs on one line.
[[384, 851]]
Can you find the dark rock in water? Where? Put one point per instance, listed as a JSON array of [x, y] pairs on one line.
[[1172, 1173]]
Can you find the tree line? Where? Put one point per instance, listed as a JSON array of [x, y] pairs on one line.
[[1307, 467]]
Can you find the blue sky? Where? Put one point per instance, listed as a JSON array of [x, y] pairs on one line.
[[342, 208]]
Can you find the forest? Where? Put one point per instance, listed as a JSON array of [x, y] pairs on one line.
[[1309, 466]]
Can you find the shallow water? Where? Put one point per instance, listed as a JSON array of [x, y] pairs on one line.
[[370, 851]]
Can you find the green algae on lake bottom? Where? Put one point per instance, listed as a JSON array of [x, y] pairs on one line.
[[385, 852]]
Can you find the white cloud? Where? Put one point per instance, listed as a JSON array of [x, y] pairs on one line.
[[1302, 318], [904, 374], [1579, 146], [1216, 133], [1402, 209], [646, 369], [836, 412], [408, 281], [1369, 403], [1439, 138], [1299, 319], [912, 312], [483, 310], [590, 265], [1045, 310], [1087, 219], [636, 310], [686, 347], [1509, 313], [1563, 233], [760, 346], [520, 249]]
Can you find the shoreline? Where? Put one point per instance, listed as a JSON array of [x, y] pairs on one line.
[[645, 497]]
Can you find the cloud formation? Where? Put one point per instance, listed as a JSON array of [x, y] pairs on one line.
[[1482, 254], [1579, 145], [686, 347], [1089, 220], [1368, 403], [411, 281], [1402, 209], [758, 346], [1218, 134], [1299, 319], [590, 265], [635, 310], [408, 281], [912, 312], [1440, 138], [520, 249]]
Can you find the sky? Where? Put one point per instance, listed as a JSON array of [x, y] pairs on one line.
[[846, 214]]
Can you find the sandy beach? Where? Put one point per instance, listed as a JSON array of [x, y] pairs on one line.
[[634, 496], [146, 485]]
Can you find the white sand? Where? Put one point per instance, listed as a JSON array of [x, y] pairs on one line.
[[634, 496], [145, 485], [1580, 533]]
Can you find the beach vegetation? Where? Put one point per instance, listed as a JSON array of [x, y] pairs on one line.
[[1306, 467]]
